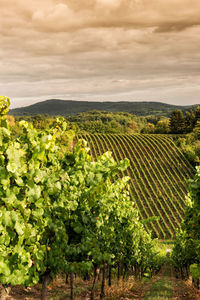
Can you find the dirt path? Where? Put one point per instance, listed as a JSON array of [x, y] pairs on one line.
[[163, 286], [166, 286]]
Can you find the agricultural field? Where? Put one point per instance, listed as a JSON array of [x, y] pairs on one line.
[[67, 214], [158, 172]]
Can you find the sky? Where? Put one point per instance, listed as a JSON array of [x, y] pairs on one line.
[[100, 50]]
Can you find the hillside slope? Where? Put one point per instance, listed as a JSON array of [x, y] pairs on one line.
[[69, 107], [158, 172]]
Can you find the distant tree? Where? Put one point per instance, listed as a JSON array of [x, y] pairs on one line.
[[132, 126], [114, 126], [149, 128], [197, 114], [196, 130], [189, 121], [177, 122], [107, 122], [162, 126], [152, 119]]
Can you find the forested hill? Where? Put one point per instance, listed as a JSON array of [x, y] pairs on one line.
[[70, 107]]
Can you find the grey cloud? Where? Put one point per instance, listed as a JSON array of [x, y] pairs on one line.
[[87, 48], [58, 16]]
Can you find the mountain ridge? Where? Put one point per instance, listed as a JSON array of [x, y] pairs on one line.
[[57, 107]]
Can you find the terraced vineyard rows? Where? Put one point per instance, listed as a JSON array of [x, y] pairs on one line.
[[158, 172]]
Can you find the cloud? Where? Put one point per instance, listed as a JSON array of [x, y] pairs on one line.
[[65, 15], [109, 3], [56, 18], [107, 47], [165, 16]]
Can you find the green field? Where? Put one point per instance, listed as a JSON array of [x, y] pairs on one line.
[[158, 172]]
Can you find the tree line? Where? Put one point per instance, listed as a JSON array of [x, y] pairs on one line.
[[122, 123], [181, 124]]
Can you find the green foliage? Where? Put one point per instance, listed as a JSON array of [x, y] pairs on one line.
[[107, 122], [189, 121], [190, 143], [156, 125], [57, 107], [177, 122], [4, 105], [180, 123], [162, 126], [38, 121], [158, 172], [190, 147], [196, 130], [30, 179], [148, 128], [187, 245], [195, 271], [60, 211]]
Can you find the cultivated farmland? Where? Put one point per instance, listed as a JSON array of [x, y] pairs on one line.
[[158, 172]]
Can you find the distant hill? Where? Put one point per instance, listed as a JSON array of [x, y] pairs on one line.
[[57, 107]]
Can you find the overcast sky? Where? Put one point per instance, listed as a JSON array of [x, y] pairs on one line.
[[113, 50]]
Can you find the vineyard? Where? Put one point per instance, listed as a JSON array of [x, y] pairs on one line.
[[64, 213], [158, 172]]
